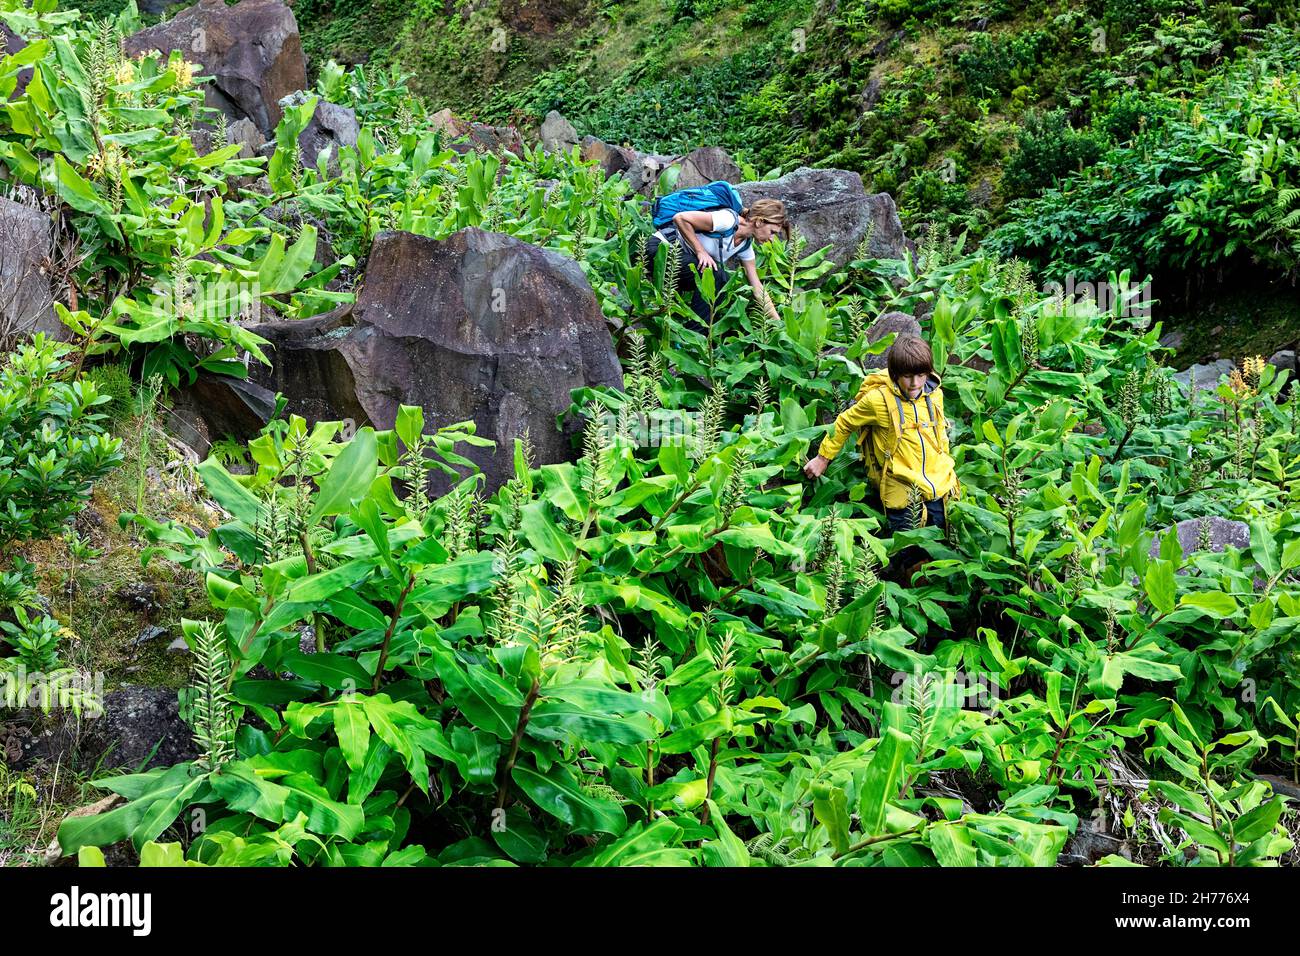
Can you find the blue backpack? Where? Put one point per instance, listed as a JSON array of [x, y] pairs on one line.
[[716, 195]]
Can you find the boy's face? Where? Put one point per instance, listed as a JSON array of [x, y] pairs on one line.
[[911, 385]]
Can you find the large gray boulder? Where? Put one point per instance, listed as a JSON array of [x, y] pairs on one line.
[[476, 326], [1222, 533], [26, 305], [898, 323], [252, 51], [1206, 376], [645, 169], [640, 170], [612, 159], [706, 165], [557, 133], [832, 207], [332, 128]]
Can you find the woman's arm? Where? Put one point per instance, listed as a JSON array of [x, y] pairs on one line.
[[687, 223]]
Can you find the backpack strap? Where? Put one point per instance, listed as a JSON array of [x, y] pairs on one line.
[[934, 422], [887, 465]]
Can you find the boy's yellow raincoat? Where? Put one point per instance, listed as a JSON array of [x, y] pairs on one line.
[[903, 441]]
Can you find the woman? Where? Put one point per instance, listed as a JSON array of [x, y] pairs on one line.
[[701, 234]]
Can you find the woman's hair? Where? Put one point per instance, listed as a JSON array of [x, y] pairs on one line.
[[768, 210], [909, 355]]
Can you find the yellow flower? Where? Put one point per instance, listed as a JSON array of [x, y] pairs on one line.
[[1253, 370], [183, 70], [125, 73]]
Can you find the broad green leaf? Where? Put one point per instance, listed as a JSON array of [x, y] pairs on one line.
[[558, 794], [335, 671], [349, 476], [1214, 603], [1158, 582], [352, 728], [880, 785], [228, 492], [831, 808]]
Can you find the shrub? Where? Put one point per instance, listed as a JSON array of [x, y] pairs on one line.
[[1206, 182], [52, 447], [994, 65], [1049, 150]]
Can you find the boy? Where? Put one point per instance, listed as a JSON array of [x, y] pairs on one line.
[[903, 440]]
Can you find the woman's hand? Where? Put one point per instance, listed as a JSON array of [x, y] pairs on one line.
[[760, 293], [817, 467], [705, 260]]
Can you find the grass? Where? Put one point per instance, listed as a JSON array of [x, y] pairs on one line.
[[84, 597], [1250, 322]]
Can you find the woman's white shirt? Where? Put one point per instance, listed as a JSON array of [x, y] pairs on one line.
[[721, 249]]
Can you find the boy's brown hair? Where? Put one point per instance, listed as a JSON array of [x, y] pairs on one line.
[[909, 355]]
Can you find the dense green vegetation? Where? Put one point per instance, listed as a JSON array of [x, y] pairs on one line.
[[961, 92], [673, 650]]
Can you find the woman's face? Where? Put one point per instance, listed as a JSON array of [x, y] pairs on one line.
[[764, 230]]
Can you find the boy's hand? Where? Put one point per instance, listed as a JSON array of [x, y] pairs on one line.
[[817, 467]]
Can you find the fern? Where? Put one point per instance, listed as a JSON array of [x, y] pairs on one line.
[[772, 853]]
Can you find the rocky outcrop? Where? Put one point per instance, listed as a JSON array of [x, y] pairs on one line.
[[541, 18], [1284, 361], [123, 734], [247, 135], [611, 159], [645, 169], [466, 136], [251, 50], [477, 326], [831, 207], [229, 406], [641, 170], [331, 128], [557, 133], [1205, 376], [135, 720], [1173, 339], [1221, 532], [708, 164], [26, 305], [898, 323]]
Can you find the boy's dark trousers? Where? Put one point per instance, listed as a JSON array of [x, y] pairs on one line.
[[900, 520], [686, 279]]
